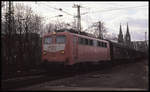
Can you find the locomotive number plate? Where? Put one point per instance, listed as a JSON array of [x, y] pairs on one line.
[[52, 48]]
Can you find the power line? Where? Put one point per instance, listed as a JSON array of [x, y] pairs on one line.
[[62, 10], [59, 9], [115, 9], [78, 13], [105, 10]]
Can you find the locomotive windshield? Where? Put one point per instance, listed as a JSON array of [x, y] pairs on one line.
[[54, 43], [48, 40], [60, 39]]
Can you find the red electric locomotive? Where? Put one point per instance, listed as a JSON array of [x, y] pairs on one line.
[[67, 49]]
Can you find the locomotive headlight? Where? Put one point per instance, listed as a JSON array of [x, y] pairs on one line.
[[44, 52], [54, 33], [62, 51]]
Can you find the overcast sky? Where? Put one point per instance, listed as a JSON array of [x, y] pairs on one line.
[[111, 13]]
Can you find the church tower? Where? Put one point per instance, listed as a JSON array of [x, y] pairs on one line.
[[127, 37], [120, 36]]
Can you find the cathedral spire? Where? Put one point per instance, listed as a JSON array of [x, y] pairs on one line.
[[120, 29], [127, 37], [127, 30], [120, 36]]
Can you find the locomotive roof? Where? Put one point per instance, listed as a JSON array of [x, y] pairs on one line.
[[75, 31], [79, 33]]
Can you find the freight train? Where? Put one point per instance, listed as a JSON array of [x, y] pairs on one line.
[[67, 48]]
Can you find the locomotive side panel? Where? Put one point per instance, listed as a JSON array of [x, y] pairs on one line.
[[119, 52], [88, 52]]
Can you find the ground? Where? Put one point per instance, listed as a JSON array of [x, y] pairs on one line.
[[131, 76]]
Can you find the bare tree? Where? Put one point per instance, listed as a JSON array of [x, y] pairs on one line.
[[111, 37], [2, 4], [99, 29], [18, 25], [30, 24], [50, 27], [62, 25]]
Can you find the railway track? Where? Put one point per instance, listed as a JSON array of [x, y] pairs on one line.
[[11, 84], [19, 82]]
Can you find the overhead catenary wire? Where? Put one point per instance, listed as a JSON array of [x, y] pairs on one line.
[[114, 9], [107, 10], [59, 9], [97, 11]]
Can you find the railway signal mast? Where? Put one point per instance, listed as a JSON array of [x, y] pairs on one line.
[[145, 39], [100, 30], [78, 16]]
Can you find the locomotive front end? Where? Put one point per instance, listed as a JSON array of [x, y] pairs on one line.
[[54, 49]]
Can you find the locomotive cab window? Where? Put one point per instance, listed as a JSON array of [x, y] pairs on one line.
[[91, 42], [103, 44], [81, 41], [95, 43], [74, 40], [86, 41], [99, 44], [48, 40], [106, 45], [60, 39]]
